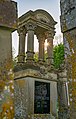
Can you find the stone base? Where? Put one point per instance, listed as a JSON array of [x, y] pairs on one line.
[[37, 117], [44, 116], [25, 97], [30, 56]]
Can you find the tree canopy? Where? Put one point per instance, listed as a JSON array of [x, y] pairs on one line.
[[58, 54]]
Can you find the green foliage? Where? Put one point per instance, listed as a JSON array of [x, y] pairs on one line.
[[15, 60], [36, 57], [58, 53]]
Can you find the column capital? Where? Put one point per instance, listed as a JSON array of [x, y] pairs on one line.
[[41, 36], [49, 34], [30, 26], [21, 30]]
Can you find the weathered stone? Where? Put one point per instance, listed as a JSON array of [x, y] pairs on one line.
[[8, 23], [68, 28], [8, 14], [24, 97]]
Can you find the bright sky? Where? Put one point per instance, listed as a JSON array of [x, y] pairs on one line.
[[51, 6]]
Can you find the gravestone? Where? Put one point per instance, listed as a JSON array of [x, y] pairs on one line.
[[8, 24]]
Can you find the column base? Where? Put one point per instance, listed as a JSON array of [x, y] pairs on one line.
[[21, 58], [49, 60], [63, 113], [41, 61], [30, 56], [30, 61]]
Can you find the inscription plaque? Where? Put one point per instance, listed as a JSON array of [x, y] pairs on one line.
[[42, 98]]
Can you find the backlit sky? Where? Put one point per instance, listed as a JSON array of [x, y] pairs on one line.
[[51, 6]]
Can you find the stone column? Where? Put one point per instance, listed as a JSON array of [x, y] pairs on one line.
[[30, 42], [62, 100], [50, 47], [21, 55], [41, 40]]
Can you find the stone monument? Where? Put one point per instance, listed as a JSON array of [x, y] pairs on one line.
[[35, 82], [8, 23]]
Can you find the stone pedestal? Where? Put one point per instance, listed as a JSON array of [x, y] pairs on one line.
[[34, 97]]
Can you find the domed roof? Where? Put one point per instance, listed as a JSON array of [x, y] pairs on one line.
[[44, 15]]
